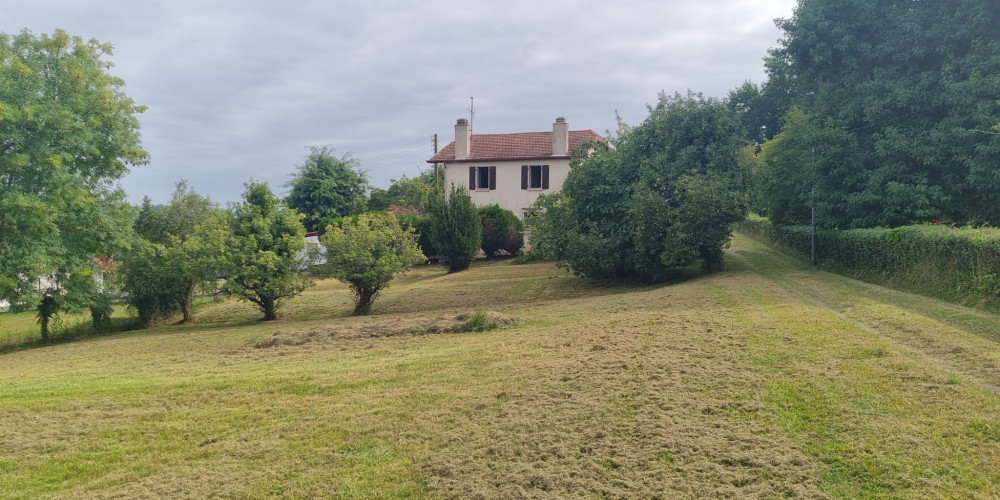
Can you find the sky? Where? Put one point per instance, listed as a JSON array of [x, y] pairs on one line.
[[239, 89]]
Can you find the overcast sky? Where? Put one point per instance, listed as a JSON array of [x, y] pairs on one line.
[[237, 89]]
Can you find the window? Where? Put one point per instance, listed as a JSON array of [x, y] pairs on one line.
[[534, 176], [482, 178]]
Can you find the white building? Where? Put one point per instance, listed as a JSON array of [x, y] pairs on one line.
[[510, 170]]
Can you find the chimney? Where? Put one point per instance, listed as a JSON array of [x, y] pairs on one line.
[[560, 137], [463, 139]]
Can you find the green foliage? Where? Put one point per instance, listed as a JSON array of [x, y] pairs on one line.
[[403, 192], [150, 293], [929, 258], [68, 132], [758, 110], [327, 186], [368, 254], [267, 252], [899, 106], [422, 226], [479, 322], [599, 239], [190, 236], [47, 308], [502, 231], [662, 199], [551, 226], [692, 184], [455, 229], [101, 308]]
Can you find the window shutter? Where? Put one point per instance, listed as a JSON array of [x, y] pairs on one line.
[[493, 178], [545, 176], [524, 176], [472, 178]]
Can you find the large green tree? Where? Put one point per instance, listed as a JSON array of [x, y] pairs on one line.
[[664, 197], [268, 251], [907, 91], [368, 254], [67, 133], [327, 186], [190, 236]]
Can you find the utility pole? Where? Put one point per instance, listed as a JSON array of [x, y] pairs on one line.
[[435, 165], [812, 199]]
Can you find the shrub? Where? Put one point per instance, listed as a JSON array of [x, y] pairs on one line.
[[551, 227], [420, 224], [368, 254], [502, 231], [455, 229], [952, 263]]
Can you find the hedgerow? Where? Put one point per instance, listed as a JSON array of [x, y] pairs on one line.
[[954, 263]]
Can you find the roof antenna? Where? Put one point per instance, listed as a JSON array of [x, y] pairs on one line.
[[472, 112]]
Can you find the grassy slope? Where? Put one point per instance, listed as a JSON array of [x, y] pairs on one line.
[[767, 380]]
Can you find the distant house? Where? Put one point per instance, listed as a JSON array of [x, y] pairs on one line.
[[510, 170], [314, 252]]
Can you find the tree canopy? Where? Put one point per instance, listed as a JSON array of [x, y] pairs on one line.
[[455, 231], [188, 239], [368, 254], [899, 98], [664, 197], [404, 192], [327, 186], [268, 251], [67, 133]]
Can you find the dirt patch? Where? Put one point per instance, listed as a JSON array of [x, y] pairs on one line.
[[466, 322]]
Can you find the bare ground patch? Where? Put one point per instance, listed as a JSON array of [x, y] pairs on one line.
[[332, 333]]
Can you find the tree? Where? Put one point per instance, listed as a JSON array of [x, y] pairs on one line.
[[903, 89], [552, 225], [664, 197], [191, 235], [405, 192], [455, 229], [149, 290], [67, 133], [502, 231], [369, 253], [327, 186], [758, 110], [268, 252]]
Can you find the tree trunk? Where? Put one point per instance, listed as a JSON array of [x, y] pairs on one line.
[[45, 328], [46, 310], [365, 299], [186, 303], [270, 309]]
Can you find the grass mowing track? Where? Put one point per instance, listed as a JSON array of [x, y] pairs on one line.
[[766, 380]]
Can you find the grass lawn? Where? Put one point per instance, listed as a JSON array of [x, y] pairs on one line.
[[766, 380]]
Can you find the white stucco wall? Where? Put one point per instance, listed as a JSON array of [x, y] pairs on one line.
[[508, 193]]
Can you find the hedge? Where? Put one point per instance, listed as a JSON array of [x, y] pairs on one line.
[[959, 264]]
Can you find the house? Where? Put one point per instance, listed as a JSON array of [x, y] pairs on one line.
[[314, 253], [510, 170]]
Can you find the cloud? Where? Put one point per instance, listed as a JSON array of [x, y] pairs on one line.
[[237, 89]]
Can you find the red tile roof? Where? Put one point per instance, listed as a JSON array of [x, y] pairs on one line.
[[519, 146]]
